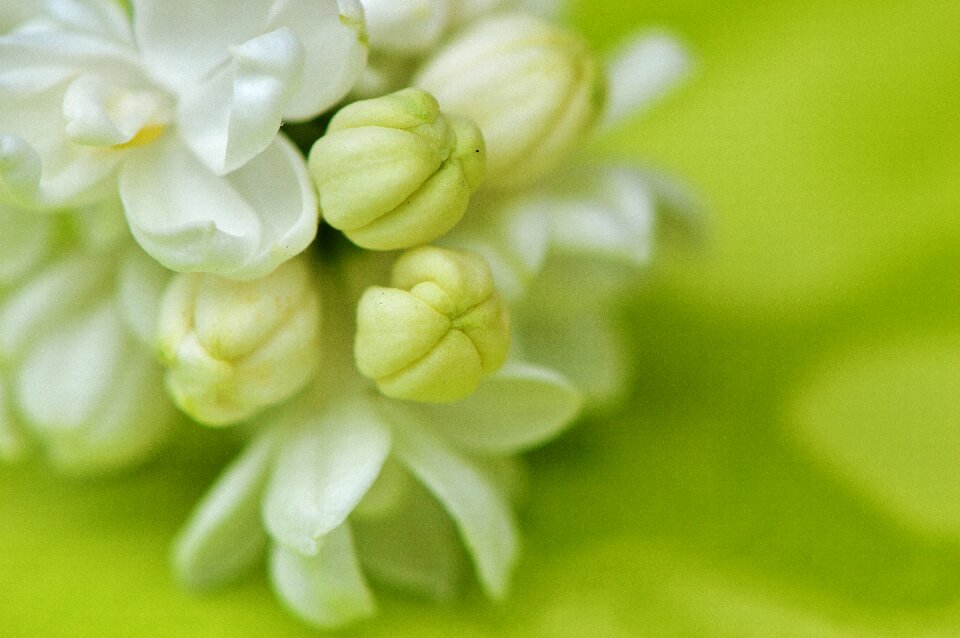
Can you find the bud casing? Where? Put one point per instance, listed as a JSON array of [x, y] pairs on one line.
[[531, 87], [394, 172], [439, 328], [233, 347]]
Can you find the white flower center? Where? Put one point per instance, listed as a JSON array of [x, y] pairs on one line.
[[101, 114]]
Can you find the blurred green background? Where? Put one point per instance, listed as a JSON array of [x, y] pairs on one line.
[[789, 461]]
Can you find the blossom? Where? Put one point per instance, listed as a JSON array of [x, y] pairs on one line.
[[407, 406], [436, 331], [323, 472], [79, 383], [393, 172], [178, 105], [234, 347]]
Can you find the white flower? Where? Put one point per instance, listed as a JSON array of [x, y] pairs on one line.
[[78, 382], [380, 437], [299, 485], [184, 100], [311, 470]]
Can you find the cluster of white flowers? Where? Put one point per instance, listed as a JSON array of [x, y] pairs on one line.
[[159, 253]]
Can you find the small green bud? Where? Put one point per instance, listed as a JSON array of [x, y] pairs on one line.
[[235, 347], [394, 172], [436, 331], [531, 87]]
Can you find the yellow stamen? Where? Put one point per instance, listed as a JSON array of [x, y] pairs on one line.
[[144, 136]]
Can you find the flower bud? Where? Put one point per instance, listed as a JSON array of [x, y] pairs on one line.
[[235, 347], [393, 172], [436, 331], [531, 87]]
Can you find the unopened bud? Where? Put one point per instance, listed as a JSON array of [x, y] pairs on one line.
[[235, 347], [436, 331], [393, 172], [531, 87]]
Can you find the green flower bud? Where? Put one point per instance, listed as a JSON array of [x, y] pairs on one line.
[[531, 87], [393, 172], [436, 331], [235, 347]]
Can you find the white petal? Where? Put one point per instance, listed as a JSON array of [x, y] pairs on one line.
[[25, 241], [183, 41], [609, 212], [36, 64], [140, 285], [517, 408], [39, 167], [46, 299], [50, 52], [233, 115], [479, 511], [415, 548], [15, 12], [93, 398], [645, 68], [99, 114], [87, 119], [131, 427], [322, 473], [224, 535], [328, 589], [241, 225], [184, 216], [334, 38], [405, 27], [64, 378], [98, 17]]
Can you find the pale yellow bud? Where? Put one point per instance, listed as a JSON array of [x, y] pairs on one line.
[[235, 347], [531, 87], [436, 331], [393, 172]]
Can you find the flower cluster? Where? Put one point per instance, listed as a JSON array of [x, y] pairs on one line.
[[164, 169]]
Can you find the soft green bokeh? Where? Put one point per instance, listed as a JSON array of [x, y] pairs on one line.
[[789, 462]]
